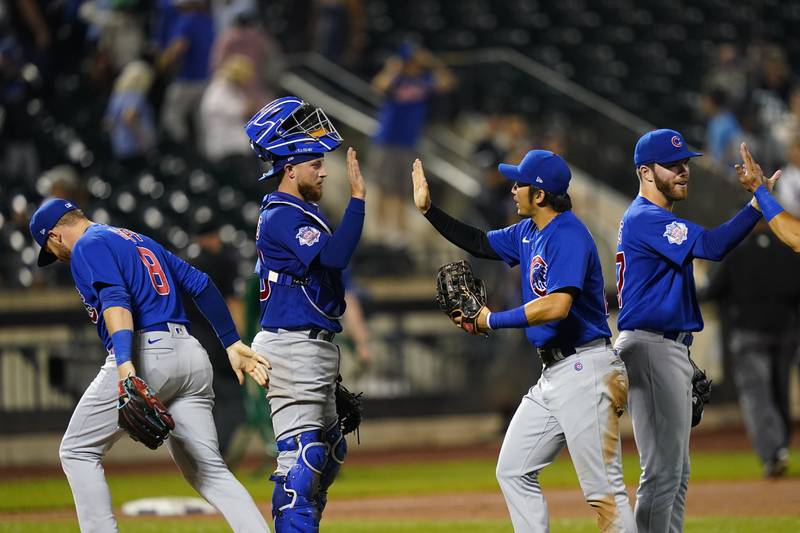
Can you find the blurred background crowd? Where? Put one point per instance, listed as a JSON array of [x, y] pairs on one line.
[[135, 108]]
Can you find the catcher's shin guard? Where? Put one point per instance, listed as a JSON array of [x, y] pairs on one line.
[[338, 451], [294, 504]]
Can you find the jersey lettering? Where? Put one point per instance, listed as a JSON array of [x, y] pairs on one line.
[[93, 315], [263, 290], [157, 276], [620, 263], [128, 234]]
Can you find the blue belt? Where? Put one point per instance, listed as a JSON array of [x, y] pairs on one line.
[[162, 327], [684, 337], [313, 333]]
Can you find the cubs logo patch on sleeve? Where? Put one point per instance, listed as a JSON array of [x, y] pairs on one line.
[[308, 236], [538, 275], [676, 232]]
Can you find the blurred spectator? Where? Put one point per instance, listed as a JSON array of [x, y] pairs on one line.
[[722, 128], [728, 74], [245, 36], [773, 84], [120, 29], [19, 87], [225, 12], [188, 52], [762, 321], [409, 79], [339, 34], [225, 108], [758, 138], [220, 264], [164, 20], [129, 117], [61, 181], [787, 189], [354, 323], [788, 127]]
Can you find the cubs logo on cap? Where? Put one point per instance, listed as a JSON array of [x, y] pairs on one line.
[[661, 146], [43, 220]]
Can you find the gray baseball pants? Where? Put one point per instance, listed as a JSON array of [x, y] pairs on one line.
[[301, 385], [660, 404], [576, 402], [177, 368]]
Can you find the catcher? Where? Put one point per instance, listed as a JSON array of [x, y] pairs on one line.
[[584, 386], [130, 287]]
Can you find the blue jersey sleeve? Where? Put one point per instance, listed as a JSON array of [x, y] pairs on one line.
[[191, 280], [505, 242], [569, 259], [663, 233], [97, 263]]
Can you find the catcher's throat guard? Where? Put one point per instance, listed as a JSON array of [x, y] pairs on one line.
[[460, 294]]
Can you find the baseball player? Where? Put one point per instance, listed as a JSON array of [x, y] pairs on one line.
[[130, 287], [658, 314], [583, 388], [300, 263]]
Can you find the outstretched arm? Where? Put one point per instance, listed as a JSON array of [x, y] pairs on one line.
[[340, 247], [466, 237], [554, 306], [783, 225]]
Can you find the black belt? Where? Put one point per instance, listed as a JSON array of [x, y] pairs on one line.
[[313, 333], [684, 337], [551, 356]]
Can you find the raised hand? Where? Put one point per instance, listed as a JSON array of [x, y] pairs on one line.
[[750, 174], [243, 359], [357, 187], [422, 195]]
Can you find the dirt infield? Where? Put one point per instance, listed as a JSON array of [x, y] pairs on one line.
[[751, 498]]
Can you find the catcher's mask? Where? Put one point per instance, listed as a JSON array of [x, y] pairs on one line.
[[289, 128]]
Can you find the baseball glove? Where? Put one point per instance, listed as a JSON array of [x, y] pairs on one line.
[[459, 293], [349, 409], [701, 393], [141, 413]]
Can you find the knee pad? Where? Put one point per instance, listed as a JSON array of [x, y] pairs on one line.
[[338, 450], [294, 505]]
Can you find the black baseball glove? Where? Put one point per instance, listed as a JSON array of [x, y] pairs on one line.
[[142, 414], [701, 393], [460, 294], [349, 409]]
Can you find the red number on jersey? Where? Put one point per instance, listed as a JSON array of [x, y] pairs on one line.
[[620, 276], [263, 290], [157, 276]]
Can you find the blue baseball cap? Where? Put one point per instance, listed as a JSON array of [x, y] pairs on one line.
[[43, 220], [541, 168], [661, 146]]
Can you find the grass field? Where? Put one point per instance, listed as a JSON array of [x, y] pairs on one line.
[[51, 495]]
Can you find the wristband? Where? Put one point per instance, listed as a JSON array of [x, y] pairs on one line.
[[488, 318], [122, 342], [768, 204], [515, 318]]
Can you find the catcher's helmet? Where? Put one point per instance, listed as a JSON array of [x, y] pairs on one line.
[[289, 127]]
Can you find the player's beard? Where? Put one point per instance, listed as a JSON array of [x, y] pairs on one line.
[[670, 189], [309, 192]]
